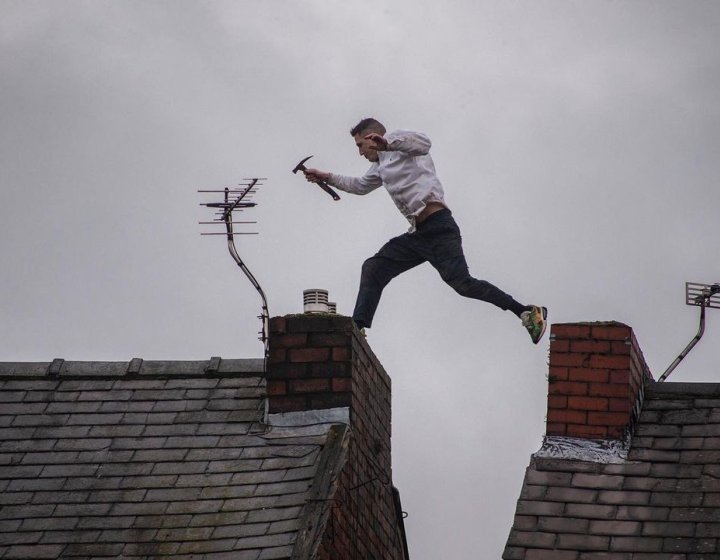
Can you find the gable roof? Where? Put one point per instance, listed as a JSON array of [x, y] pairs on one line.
[[661, 503], [157, 459]]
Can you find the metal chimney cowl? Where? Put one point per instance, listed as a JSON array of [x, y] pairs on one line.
[[316, 301]]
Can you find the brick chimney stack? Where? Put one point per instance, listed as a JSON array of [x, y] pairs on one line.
[[321, 364], [596, 381]]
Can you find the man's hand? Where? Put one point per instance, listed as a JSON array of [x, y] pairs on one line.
[[381, 143], [315, 175]]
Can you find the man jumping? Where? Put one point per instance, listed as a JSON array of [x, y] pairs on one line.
[[401, 162]]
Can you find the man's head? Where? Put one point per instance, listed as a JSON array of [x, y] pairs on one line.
[[366, 147]]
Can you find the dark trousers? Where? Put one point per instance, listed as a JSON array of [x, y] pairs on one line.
[[437, 240]]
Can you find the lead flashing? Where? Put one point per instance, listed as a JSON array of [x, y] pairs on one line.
[[604, 451], [339, 415]]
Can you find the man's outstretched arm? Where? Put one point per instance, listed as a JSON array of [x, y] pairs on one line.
[[354, 185]]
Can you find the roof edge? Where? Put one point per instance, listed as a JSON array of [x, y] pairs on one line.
[[136, 367], [682, 389], [314, 516]]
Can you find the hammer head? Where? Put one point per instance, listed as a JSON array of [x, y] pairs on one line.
[[301, 166]]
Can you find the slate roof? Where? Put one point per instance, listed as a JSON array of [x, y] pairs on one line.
[[662, 503], [155, 459]]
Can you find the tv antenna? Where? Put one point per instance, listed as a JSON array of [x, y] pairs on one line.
[[238, 199], [702, 295]]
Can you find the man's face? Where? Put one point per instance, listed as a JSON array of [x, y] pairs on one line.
[[366, 147]]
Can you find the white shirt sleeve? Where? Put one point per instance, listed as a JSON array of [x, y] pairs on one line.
[[410, 143], [357, 185]]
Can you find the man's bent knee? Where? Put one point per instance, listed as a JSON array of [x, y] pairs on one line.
[[462, 285]]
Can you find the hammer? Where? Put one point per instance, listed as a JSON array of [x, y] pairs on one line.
[[321, 183]]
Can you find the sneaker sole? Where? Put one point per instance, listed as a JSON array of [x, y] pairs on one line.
[[543, 311]]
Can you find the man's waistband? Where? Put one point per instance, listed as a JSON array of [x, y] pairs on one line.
[[438, 215]]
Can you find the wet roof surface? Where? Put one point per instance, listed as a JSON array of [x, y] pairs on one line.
[[149, 459], [662, 503]]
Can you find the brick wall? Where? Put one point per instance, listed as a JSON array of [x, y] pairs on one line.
[[320, 362], [596, 380]]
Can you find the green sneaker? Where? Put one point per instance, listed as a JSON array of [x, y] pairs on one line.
[[534, 322]]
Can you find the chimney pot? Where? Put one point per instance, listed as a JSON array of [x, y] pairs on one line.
[[315, 301]]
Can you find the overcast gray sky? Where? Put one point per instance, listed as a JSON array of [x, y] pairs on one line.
[[577, 141]]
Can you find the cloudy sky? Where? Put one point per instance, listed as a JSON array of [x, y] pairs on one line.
[[577, 141]]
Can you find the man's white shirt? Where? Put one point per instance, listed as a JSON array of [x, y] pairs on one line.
[[405, 169]]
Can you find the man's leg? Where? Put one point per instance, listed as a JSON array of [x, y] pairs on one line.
[[454, 271], [445, 253], [448, 258], [394, 258]]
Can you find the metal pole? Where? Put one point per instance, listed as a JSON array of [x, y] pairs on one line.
[[690, 346], [265, 314]]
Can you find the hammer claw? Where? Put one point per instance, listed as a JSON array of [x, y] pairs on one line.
[[322, 184], [301, 166]]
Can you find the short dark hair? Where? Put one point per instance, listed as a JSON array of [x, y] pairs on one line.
[[368, 125]]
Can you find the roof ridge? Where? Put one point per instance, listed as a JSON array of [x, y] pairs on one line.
[[134, 367]]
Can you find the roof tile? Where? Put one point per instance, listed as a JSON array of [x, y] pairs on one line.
[[149, 464]]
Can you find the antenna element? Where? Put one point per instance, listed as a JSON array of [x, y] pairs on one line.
[[237, 199]]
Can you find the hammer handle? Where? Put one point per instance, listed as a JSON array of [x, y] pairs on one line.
[[324, 186]]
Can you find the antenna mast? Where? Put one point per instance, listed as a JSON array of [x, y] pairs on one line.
[[703, 295], [237, 199]]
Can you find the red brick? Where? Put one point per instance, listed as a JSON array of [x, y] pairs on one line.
[[639, 362], [309, 323], [285, 370], [559, 345], [609, 361], [309, 354], [590, 346], [276, 387], [619, 405], [329, 400], [309, 385], [587, 403], [609, 390], [277, 325], [567, 416], [584, 431], [570, 330], [331, 369], [620, 376], [329, 339], [617, 432], [611, 332], [340, 354], [620, 348], [295, 340], [365, 527], [555, 429], [608, 418], [557, 401], [568, 388], [276, 355], [558, 373], [287, 404], [569, 360], [588, 374], [341, 384]]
